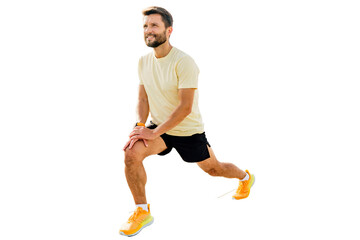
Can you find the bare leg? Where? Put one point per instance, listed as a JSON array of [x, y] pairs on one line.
[[215, 168], [134, 168], [136, 179]]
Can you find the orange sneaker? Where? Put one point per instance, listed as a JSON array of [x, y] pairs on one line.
[[243, 190], [137, 222]]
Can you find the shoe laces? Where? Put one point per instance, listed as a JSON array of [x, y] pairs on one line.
[[241, 186], [238, 190], [135, 215]]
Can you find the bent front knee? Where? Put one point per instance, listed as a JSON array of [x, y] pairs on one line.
[[132, 158]]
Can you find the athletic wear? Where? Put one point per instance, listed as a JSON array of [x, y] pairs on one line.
[[243, 190], [247, 176], [137, 222], [191, 148], [162, 78], [143, 206]]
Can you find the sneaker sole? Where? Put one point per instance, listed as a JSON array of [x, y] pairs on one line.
[[131, 235], [253, 181]]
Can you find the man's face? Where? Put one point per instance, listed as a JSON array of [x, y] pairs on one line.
[[155, 32]]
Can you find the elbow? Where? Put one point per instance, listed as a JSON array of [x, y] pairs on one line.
[[143, 100], [187, 111]]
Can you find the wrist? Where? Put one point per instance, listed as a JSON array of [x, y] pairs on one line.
[[156, 132], [139, 124]]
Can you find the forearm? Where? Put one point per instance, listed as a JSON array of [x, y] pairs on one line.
[[142, 111], [177, 116], [186, 97]]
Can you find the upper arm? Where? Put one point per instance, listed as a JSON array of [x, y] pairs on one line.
[[187, 73], [142, 93], [186, 97]]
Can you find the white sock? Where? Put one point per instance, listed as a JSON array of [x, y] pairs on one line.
[[143, 206], [245, 178]]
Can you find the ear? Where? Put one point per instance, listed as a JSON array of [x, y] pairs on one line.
[[169, 30]]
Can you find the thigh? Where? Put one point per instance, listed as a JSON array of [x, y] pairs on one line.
[[192, 148], [140, 150], [210, 163]]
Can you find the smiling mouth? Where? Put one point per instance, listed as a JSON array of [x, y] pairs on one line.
[[150, 37]]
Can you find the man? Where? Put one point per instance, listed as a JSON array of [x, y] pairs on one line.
[[168, 90]]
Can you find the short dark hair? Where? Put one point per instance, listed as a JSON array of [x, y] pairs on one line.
[[165, 15]]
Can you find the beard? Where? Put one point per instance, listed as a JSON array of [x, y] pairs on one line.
[[158, 40]]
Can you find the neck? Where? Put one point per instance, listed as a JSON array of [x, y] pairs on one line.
[[162, 50]]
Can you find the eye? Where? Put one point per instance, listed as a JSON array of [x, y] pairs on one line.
[[155, 25]]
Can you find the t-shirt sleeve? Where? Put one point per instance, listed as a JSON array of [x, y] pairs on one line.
[[139, 72], [187, 73]]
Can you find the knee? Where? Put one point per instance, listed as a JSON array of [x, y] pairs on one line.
[[132, 158]]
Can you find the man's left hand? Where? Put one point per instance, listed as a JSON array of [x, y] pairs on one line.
[[143, 133]]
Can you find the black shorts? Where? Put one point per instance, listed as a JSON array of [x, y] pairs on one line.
[[191, 148]]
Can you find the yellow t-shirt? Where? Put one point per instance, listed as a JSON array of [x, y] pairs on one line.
[[162, 78]]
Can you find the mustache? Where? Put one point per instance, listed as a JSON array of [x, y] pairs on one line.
[[148, 35]]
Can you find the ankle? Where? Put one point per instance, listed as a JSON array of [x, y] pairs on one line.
[[143, 206], [245, 178]]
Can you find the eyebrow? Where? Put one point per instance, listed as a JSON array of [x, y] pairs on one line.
[[154, 24]]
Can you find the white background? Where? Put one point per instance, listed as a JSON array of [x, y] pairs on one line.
[[279, 94]]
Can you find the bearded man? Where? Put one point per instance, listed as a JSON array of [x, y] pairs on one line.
[[168, 91]]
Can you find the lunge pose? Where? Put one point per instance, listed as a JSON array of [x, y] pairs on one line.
[[168, 91]]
